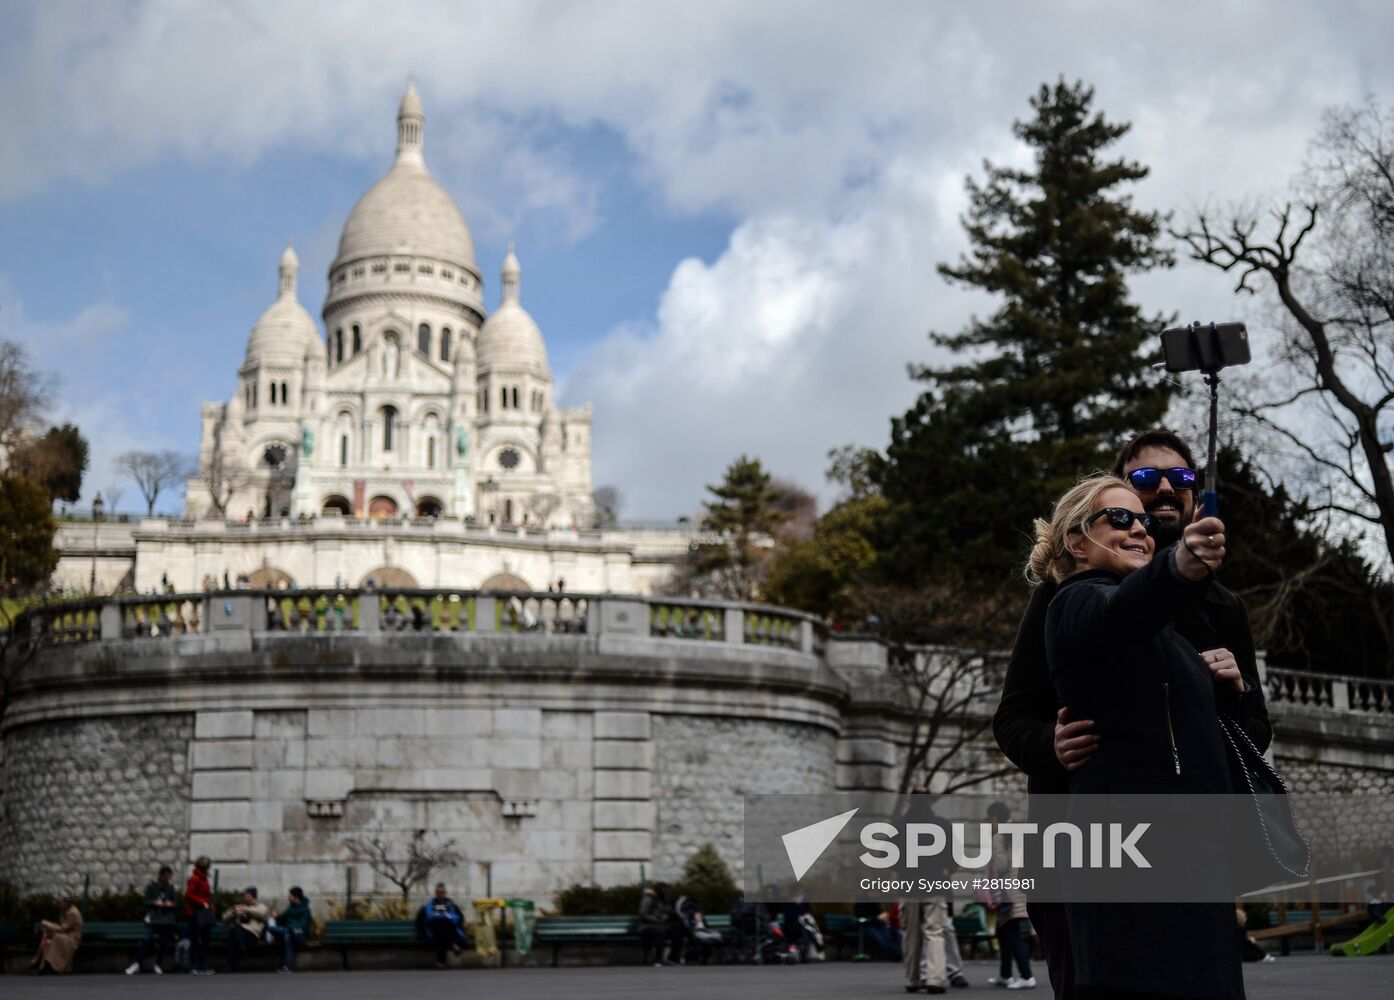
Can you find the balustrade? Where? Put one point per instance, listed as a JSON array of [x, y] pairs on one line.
[[537, 612], [676, 620], [311, 611], [160, 617]]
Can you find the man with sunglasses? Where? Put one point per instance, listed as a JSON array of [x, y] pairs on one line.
[[1037, 735]]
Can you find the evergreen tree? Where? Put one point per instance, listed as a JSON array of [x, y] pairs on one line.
[[27, 527], [55, 461], [743, 516], [1050, 383]]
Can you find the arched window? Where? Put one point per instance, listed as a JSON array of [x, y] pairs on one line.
[[503, 397], [515, 397], [431, 452], [339, 346], [423, 339], [343, 449], [445, 344], [357, 339], [389, 426], [508, 512], [285, 394], [273, 393], [254, 395]]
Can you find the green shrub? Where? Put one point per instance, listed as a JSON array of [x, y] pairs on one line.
[[705, 877]]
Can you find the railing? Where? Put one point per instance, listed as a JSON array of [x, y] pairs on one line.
[[64, 624], [159, 617], [312, 611], [680, 620], [1333, 691]]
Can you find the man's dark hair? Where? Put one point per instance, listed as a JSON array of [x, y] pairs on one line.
[[297, 892], [166, 870], [998, 812], [1158, 437], [251, 890]]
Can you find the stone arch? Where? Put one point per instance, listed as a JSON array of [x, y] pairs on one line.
[[269, 578], [382, 506], [505, 581], [429, 507], [391, 578], [337, 503]]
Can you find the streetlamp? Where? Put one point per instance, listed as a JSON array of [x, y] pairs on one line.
[[97, 506]]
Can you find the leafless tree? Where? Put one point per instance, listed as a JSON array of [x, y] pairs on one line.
[[153, 472], [223, 476], [946, 658], [24, 394], [114, 492], [607, 502], [1330, 262], [422, 858], [798, 509], [542, 505]]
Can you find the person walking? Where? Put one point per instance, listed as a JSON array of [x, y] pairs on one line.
[[198, 909]]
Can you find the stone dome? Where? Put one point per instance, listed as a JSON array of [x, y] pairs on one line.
[[285, 332], [407, 212], [510, 337]]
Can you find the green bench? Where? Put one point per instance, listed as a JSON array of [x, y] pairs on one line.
[[346, 935], [561, 931], [9, 942], [841, 930], [970, 927]]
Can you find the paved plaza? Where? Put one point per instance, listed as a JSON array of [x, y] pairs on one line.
[[1304, 977]]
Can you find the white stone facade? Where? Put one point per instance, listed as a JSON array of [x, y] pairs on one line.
[[413, 400]]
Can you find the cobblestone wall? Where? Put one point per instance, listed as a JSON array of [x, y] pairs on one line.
[[704, 768], [107, 798]]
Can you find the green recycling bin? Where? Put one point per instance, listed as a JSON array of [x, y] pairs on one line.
[[524, 915]]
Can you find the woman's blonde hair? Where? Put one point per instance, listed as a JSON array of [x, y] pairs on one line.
[[1050, 559]]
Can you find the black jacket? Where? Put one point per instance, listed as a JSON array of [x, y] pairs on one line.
[[1024, 723], [1114, 653]]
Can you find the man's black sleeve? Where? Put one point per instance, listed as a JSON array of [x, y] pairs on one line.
[[1024, 723], [1238, 637]]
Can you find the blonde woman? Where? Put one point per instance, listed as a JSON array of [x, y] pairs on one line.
[[1115, 658]]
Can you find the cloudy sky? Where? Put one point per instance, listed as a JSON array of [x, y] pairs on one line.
[[728, 214]]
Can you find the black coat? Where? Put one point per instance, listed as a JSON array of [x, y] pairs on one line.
[[1114, 655], [1024, 723]]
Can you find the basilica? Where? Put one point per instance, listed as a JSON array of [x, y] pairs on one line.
[[416, 401], [413, 439]]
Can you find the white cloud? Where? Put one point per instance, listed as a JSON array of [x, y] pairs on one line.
[[835, 138]]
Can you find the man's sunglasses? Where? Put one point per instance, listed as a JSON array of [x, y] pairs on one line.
[[1122, 518], [1147, 480]]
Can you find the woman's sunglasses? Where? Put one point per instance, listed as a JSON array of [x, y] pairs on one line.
[[1147, 480], [1122, 518]]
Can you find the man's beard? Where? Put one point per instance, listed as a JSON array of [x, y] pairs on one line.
[[1167, 531]]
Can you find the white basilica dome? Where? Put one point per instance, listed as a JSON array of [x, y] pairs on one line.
[[407, 212], [285, 332], [510, 337]]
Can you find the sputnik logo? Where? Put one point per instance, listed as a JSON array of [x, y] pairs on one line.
[[806, 845]]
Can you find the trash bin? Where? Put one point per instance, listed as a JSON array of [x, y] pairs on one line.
[[524, 916], [486, 942]]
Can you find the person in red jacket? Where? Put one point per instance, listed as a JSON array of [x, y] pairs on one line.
[[198, 907]]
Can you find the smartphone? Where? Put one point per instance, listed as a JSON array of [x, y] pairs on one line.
[[1205, 347]]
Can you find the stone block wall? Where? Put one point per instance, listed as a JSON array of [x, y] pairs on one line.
[[704, 768], [106, 797]]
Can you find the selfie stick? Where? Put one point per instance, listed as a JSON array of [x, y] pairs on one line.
[[1210, 501]]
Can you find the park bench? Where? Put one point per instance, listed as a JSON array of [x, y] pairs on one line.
[[9, 943], [1301, 923], [841, 930], [125, 936], [561, 931], [970, 927], [347, 935]]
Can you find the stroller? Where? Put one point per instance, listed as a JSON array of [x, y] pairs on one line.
[[698, 940], [754, 939]]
